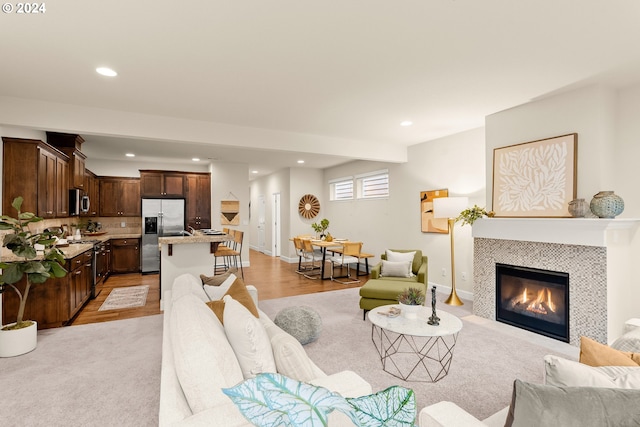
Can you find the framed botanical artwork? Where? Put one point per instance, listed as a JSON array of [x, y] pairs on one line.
[[428, 222], [535, 179]]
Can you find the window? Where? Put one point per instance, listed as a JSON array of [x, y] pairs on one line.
[[341, 188], [373, 185]]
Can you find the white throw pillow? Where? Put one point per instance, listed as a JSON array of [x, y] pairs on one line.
[[204, 361], [291, 359], [628, 342], [401, 256], [395, 269], [248, 338], [561, 372]]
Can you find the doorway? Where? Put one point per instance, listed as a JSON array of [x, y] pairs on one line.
[[261, 224], [275, 235]]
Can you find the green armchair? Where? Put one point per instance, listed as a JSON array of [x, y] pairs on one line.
[[384, 290]]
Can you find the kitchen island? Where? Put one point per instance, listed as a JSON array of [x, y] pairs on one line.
[[186, 254]]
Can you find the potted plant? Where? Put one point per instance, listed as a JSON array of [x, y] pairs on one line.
[[36, 258], [470, 215], [411, 299], [321, 227]]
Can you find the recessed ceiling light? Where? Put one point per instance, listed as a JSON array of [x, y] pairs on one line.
[[406, 123], [254, 171], [195, 159], [301, 161], [106, 71], [130, 155]]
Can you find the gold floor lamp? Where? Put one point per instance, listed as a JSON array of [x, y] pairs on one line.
[[450, 208]]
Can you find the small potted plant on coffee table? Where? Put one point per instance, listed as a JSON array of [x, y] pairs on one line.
[[411, 299], [35, 257]]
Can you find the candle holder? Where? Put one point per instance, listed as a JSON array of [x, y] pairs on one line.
[[434, 319]]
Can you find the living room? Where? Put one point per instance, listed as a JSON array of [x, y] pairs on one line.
[[602, 111]]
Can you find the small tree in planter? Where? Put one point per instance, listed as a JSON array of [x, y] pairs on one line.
[[37, 269]]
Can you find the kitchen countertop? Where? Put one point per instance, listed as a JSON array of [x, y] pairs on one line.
[[73, 249], [198, 238]]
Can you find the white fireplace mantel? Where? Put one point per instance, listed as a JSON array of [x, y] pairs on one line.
[[569, 231]]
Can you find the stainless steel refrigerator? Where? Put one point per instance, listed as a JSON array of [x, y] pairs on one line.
[[160, 217]]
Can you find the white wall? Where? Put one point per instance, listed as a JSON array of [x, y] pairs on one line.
[[589, 112], [230, 181], [303, 181], [277, 182], [455, 163], [627, 150]]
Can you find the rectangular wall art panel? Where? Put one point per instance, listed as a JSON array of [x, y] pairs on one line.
[[429, 223], [230, 212], [535, 179]]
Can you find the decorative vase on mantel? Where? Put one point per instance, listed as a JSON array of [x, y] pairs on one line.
[[578, 208], [606, 204]]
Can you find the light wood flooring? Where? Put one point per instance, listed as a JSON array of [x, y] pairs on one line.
[[273, 278]]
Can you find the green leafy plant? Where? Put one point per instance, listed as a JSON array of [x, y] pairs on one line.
[[271, 400], [36, 267], [470, 215], [412, 296], [320, 227]]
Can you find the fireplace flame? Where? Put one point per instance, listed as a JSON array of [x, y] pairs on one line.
[[542, 304]]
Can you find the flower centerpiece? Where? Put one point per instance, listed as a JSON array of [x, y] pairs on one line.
[[470, 215], [411, 299], [37, 259]]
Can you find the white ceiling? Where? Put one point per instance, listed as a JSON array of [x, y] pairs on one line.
[[335, 70]]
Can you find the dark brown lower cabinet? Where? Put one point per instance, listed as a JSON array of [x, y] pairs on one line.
[[55, 302], [125, 256]]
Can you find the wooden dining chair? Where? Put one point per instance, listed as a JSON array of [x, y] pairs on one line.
[[350, 255], [313, 258]]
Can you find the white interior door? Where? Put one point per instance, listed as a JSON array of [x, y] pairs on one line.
[[275, 237], [261, 224]]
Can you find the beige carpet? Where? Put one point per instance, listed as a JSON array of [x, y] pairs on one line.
[[103, 374], [485, 361], [129, 297]]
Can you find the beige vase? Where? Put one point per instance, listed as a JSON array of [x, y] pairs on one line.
[[18, 341], [410, 311]]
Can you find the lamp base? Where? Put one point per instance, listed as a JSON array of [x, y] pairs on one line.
[[453, 298]]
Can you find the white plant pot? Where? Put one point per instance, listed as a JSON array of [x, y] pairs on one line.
[[410, 311], [18, 341]]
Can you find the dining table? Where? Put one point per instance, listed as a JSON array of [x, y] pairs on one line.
[[336, 246]]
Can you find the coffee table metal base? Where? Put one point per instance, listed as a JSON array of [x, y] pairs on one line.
[[414, 358]]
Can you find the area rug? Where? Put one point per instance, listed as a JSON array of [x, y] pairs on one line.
[[485, 362], [129, 297]]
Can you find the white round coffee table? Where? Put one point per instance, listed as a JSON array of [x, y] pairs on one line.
[[411, 349]]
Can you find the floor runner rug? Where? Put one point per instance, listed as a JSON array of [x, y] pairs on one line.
[[129, 297]]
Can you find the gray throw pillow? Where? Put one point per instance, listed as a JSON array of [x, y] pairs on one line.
[[535, 405]]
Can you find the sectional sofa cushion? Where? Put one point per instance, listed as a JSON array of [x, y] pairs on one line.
[[545, 405], [238, 291], [204, 360], [217, 292], [186, 284], [595, 354], [248, 338], [561, 372], [395, 269]]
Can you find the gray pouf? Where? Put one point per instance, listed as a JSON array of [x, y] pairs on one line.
[[303, 323]]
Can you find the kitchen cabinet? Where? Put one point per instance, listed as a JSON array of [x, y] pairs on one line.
[[125, 255], [162, 183], [36, 171], [92, 189], [55, 302], [198, 200], [119, 196], [71, 145]]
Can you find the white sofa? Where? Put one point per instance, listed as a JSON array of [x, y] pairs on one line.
[[448, 414], [208, 361]]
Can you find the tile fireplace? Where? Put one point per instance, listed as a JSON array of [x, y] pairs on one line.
[[597, 255]]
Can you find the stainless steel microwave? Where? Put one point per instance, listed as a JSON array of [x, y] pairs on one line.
[[79, 202]]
